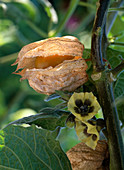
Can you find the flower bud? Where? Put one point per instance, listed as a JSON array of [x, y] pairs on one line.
[[70, 122]]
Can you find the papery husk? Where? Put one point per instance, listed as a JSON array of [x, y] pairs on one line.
[[67, 45], [67, 75], [84, 158]]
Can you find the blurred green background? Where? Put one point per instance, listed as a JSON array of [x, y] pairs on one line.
[[26, 21]]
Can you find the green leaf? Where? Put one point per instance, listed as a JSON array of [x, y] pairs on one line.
[[30, 148], [62, 105], [59, 94], [51, 97], [114, 57], [68, 138], [87, 54], [24, 10], [49, 10], [119, 85], [2, 105], [63, 95], [116, 29], [121, 113], [47, 119]]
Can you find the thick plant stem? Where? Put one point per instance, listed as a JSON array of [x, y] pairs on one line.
[[105, 89], [115, 143], [97, 35]]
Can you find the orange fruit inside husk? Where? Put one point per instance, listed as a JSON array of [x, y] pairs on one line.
[[54, 60]]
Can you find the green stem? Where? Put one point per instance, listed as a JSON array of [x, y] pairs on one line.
[[116, 37], [116, 43], [85, 4], [72, 7], [116, 9], [107, 101], [8, 58], [50, 25], [117, 69]]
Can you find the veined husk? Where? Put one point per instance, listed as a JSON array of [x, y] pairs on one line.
[[83, 157], [67, 75]]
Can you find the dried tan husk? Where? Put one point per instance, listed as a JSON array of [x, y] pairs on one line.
[[84, 158], [68, 75], [67, 45]]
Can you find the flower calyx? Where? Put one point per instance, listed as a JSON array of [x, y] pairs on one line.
[[53, 64]]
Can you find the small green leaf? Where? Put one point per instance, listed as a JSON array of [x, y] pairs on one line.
[[87, 55], [63, 95], [30, 148], [51, 97], [119, 85], [59, 94], [47, 119], [114, 61], [114, 57], [61, 105]]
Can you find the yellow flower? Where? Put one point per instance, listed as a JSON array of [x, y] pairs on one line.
[[83, 105], [87, 133]]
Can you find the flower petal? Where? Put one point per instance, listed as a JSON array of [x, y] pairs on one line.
[[87, 99], [87, 133], [73, 98]]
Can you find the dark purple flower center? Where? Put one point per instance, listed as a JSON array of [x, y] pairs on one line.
[[83, 108]]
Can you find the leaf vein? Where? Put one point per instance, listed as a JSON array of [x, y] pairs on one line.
[[54, 154], [8, 168], [15, 155], [31, 150]]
